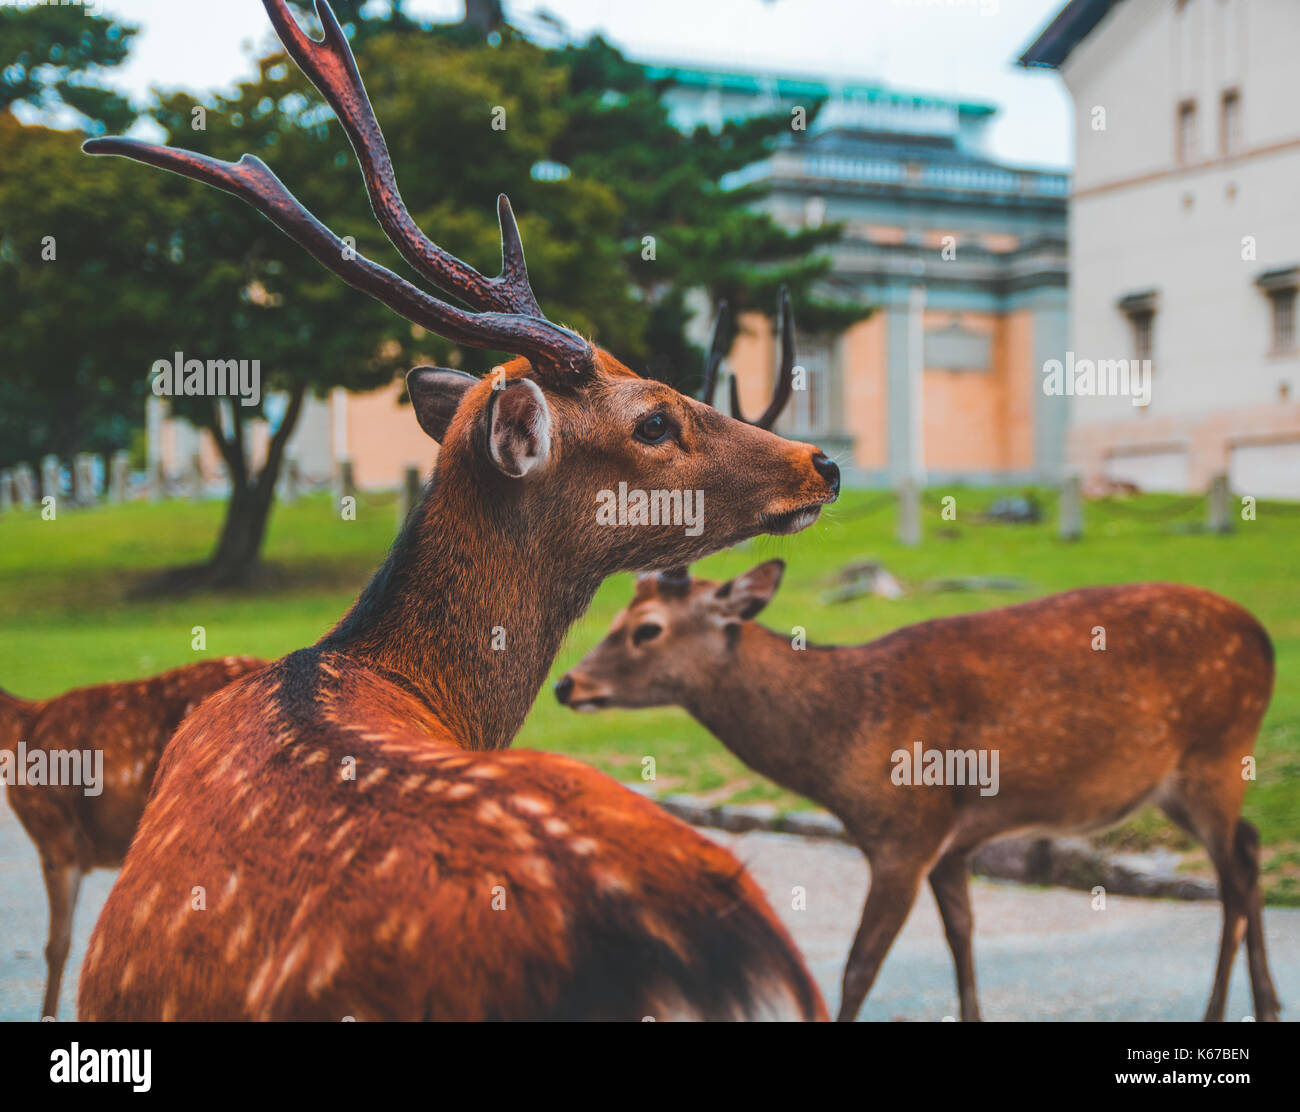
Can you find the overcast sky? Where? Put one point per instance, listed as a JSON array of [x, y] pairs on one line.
[[957, 48]]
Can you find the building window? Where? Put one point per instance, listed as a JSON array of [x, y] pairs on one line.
[[1230, 122], [1141, 325], [1187, 131], [1140, 309], [1283, 302], [1280, 286]]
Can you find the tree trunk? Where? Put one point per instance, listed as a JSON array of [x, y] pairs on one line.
[[237, 554], [239, 547]]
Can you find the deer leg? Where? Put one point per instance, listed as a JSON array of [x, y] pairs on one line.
[[62, 883], [1233, 845], [950, 882], [1234, 891], [1246, 845], [1234, 926], [890, 899]]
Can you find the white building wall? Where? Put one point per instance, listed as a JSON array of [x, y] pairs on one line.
[[1141, 221]]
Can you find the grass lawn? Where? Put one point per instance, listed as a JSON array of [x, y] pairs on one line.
[[66, 618]]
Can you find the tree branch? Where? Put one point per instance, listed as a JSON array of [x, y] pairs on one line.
[[232, 453], [275, 451]]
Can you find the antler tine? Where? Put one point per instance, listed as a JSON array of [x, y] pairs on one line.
[[715, 356], [514, 271], [785, 376], [332, 68], [546, 345]]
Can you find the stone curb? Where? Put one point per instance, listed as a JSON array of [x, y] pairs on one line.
[[1066, 862]]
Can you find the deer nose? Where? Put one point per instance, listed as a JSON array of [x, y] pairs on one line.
[[564, 688], [827, 469]]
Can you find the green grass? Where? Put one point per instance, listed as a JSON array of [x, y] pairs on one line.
[[67, 618]]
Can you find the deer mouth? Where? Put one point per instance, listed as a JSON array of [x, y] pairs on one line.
[[587, 706], [791, 521]]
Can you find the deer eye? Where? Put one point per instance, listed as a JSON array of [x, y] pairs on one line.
[[647, 632], [653, 429]]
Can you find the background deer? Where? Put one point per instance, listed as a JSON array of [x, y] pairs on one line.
[[1166, 714], [129, 723], [342, 834]]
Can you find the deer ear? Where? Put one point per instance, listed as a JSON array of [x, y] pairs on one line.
[[744, 596], [435, 396], [519, 428]]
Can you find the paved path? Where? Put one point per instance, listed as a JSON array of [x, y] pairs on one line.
[[1040, 953]]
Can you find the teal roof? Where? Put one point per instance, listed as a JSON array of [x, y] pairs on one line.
[[787, 85]]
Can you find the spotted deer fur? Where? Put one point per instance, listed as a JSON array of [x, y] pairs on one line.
[[75, 832]]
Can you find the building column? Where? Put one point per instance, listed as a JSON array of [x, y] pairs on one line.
[[905, 374], [1051, 412]]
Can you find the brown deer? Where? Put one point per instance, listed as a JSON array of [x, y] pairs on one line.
[[342, 834], [1073, 727], [76, 831]]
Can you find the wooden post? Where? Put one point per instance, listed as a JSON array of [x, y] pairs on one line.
[[6, 490], [1071, 525], [909, 512], [118, 476], [409, 496], [1219, 518], [290, 481], [345, 482], [51, 477], [83, 480], [158, 482], [24, 485], [196, 477]]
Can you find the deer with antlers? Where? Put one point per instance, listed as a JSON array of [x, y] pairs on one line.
[[344, 833], [1163, 709], [76, 830]]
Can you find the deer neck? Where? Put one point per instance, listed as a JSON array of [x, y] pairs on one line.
[[469, 609], [768, 704]]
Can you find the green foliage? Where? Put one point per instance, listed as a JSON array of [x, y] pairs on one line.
[[79, 267], [51, 55], [80, 278]]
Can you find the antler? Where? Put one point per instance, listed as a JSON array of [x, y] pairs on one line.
[[785, 376], [716, 353], [332, 68], [509, 318]]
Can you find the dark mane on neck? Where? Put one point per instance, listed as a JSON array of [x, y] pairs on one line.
[[373, 602]]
